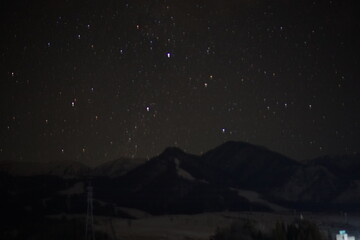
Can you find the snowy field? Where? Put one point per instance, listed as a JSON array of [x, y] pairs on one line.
[[202, 226]]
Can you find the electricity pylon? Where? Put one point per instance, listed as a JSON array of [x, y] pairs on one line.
[[89, 228]]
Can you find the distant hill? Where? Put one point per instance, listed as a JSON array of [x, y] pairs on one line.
[[345, 166], [57, 168], [67, 168], [248, 166], [235, 176], [117, 167], [324, 183], [172, 182]]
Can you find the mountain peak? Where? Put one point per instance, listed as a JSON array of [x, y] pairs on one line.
[[172, 152], [237, 144], [231, 147]]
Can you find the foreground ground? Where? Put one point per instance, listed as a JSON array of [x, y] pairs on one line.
[[202, 226]]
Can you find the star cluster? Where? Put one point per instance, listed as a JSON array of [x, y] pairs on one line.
[[93, 81]]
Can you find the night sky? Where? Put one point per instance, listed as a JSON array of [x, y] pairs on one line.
[[93, 81]]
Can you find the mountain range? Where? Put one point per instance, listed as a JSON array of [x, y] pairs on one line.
[[67, 168], [233, 176]]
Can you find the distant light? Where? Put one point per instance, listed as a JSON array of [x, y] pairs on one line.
[[147, 109], [73, 104], [223, 130], [168, 55]]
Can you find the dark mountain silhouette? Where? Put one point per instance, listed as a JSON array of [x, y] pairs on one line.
[[68, 168], [171, 183], [345, 166], [63, 168], [248, 166], [234, 176]]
